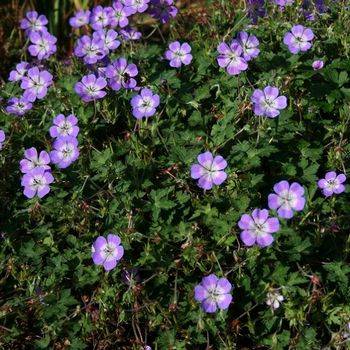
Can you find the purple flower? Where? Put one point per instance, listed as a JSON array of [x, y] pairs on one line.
[[18, 73], [130, 34], [213, 293], [121, 73], [249, 44], [317, 65], [80, 19], [257, 228], [91, 49], [144, 104], [164, 10], [35, 84], [91, 88], [37, 182], [178, 54], [287, 199], [65, 151], [332, 183], [32, 160], [108, 38], [107, 252], [63, 126], [267, 102], [256, 9], [230, 58], [33, 22], [18, 106], [118, 15], [209, 171], [2, 138], [139, 5], [99, 17], [43, 44], [283, 3], [298, 39]]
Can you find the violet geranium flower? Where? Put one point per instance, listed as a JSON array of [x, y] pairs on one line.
[[163, 10], [99, 17], [121, 74], [35, 84], [332, 183], [230, 58], [258, 227], [18, 106], [267, 102], [108, 38], [37, 182], [178, 54], [130, 34], [213, 293], [65, 151], [33, 22], [34, 160], [139, 5], [144, 104], [90, 49], [107, 252], [64, 126], [118, 15], [249, 44], [20, 71], [317, 65], [80, 19], [91, 88], [209, 171], [287, 199], [2, 138], [43, 44], [298, 39]]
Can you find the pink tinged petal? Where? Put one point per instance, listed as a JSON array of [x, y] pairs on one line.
[[223, 61], [224, 301], [288, 39], [175, 62], [273, 201], [205, 159], [264, 240], [281, 186], [169, 55], [208, 305], [219, 163], [200, 293], [322, 183], [245, 222], [185, 47], [209, 282], [260, 215], [331, 175], [98, 258], [109, 265], [28, 192], [285, 212], [175, 46], [100, 243], [205, 182], [271, 92], [280, 102], [298, 30], [257, 96], [197, 171], [113, 239], [272, 225], [218, 177], [43, 192], [223, 48], [119, 252], [31, 153], [327, 192], [223, 286], [341, 178], [305, 46], [186, 59], [297, 189], [339, 189], [248, 238], [308, 34]]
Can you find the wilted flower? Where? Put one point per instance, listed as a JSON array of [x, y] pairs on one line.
[[209, 171], [287, 199], [298, 39], [255, 9], [43, 44], [130, 34], [90, 49], [32, 160], [230, 58], [267, 102], [108, 38], [91, 88], [64, 126], [178, 54], [2, 138], [144, 104], [164, 10], [99, 17], [80, 19], [249, 44], [37, 182], [316, 65], [213, 293], [274, 299], [18, 106], [107, 252], [332, 183], [65, 151], [121, 74], [35, 84], [257, 228], [20, 71], [33, 22]]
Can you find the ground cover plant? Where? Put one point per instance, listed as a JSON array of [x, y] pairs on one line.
[[174, 175]]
